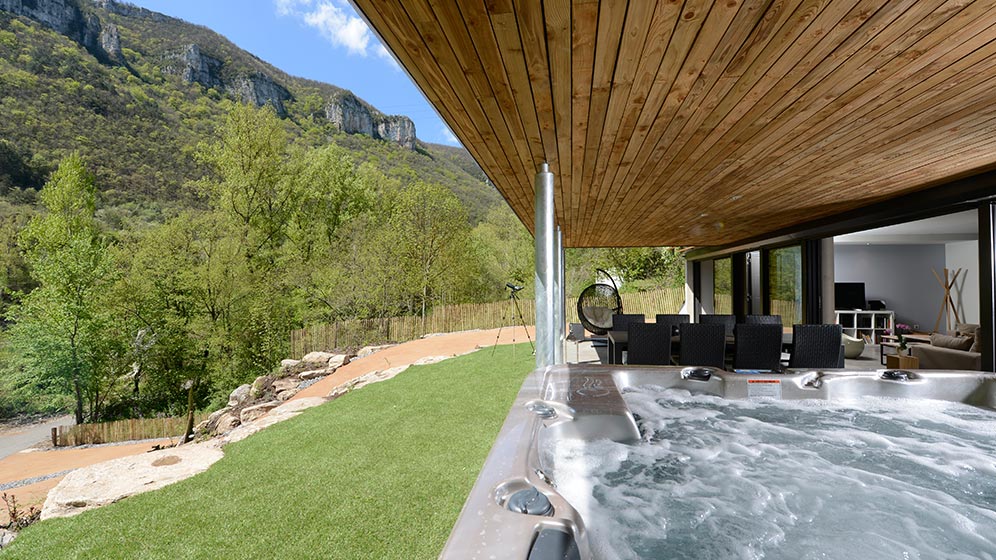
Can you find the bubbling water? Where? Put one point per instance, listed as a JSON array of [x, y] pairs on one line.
[[870, 478]]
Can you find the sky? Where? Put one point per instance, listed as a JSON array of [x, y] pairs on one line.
[[322, 40]]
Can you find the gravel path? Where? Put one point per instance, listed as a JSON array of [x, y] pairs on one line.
[[32, 480]]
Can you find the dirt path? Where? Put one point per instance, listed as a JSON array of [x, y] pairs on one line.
[[451, 344]]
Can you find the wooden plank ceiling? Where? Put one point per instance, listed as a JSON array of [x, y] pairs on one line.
[[701, 123]]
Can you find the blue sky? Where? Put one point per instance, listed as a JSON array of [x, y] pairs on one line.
[[318, 39]]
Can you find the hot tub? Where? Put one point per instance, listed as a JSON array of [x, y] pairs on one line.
[[516, 510]]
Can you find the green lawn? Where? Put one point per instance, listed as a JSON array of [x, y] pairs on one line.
[[380, 473]]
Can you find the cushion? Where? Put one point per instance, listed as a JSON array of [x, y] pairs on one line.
[[954, 342], [975, 341], [965, 329]]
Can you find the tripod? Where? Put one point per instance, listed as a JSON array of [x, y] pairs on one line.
[[514, 297]]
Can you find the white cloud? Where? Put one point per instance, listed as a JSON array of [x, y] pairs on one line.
[[338, 23], [289, 7], [449, 137], [382, 52]]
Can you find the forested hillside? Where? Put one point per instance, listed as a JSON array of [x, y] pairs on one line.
[[171, 207], [157, 87]]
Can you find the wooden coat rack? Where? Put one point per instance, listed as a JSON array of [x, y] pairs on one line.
[[947, 304]]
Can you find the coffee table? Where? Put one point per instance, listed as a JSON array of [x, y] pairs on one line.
[[892, 341]]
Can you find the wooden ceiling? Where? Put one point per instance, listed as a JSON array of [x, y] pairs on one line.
[[701, 123]]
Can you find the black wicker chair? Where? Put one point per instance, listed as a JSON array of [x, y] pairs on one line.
[[649, 344], [816, 346], [763, 320], [758, 347], [702, 344], [673, 320], [728, 321], [620, 322]]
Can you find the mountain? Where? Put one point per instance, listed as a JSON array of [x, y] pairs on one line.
[[136, 91]]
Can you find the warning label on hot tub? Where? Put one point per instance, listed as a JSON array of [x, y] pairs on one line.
[[764, 389]]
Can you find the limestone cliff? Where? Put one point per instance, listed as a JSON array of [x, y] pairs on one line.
[[352, 116], [260, 90], [195, 67], [64, 17], [349, 115]]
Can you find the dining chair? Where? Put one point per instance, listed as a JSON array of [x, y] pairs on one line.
[[757, 346], [649, 344], [702, 344], [816, 346], [728, 321]]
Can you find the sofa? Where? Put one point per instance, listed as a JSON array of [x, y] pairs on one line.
[[956, 351]]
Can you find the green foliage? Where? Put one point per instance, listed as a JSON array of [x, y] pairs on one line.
[[428, 235], [63, 332], [506, 251], [648, 267]]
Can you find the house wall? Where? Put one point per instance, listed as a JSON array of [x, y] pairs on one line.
[[965, 292], [898, 274]]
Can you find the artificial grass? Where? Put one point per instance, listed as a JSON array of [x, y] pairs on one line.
[[381, 472]]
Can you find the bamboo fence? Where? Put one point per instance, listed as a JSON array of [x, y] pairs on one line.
[[123, 430], [461, 317]]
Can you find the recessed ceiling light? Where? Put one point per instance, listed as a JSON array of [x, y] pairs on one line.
[[736, 197]]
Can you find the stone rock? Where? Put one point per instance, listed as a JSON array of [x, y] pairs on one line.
[[398, 129], [260, 386], [259, 89], [337, 361], [211, 422], [63, 17], [298, 405], [194, 66], [110, 42], [285, 384], [6, 537], [430, 360], [111, 481], [317, 358], [313, 374], [287, 395], [226, 423], [287, 367], [283, 412], [240, 395], [349, 114], [367, 350], [254, 412]]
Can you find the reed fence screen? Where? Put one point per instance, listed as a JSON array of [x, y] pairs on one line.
[[461, 317], [124, 430]]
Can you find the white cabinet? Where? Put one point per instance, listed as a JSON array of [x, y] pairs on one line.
[[870, 325]]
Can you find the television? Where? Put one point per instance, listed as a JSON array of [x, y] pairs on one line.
[[849, 295]]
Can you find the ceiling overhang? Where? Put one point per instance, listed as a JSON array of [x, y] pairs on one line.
[[703, 123]]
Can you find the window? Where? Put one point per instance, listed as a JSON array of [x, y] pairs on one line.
[[785, 284], [722, 287]]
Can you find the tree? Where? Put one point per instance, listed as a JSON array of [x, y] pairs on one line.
[[330, 191], [505, 249], [429, 235], [63, 329], [254, 186]]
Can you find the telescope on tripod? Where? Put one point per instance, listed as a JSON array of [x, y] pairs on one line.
[[513, 295]]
